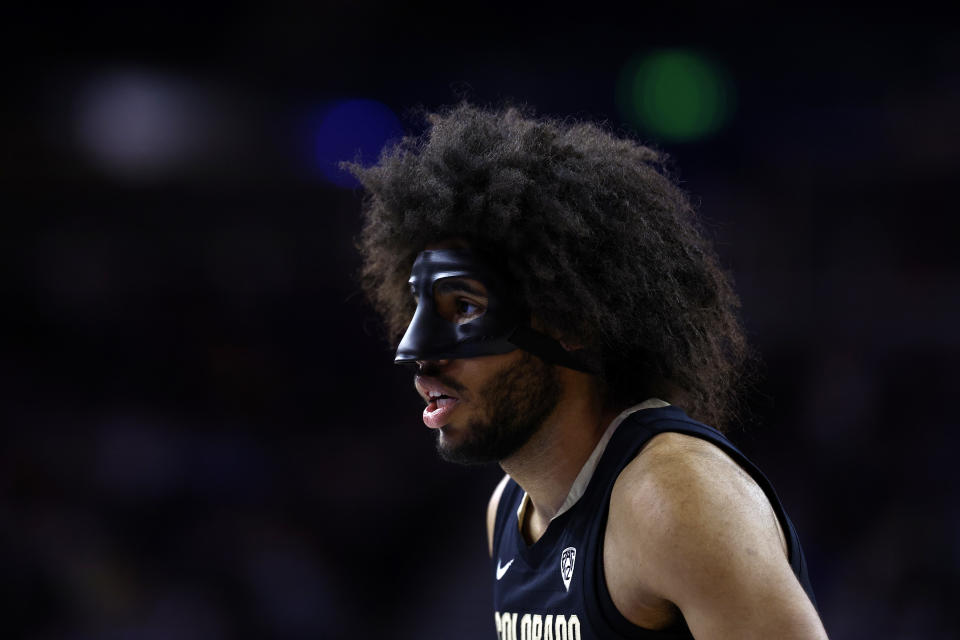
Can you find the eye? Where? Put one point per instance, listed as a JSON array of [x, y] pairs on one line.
[[459, 300], [467, 308]]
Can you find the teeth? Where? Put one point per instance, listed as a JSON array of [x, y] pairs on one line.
[[443, 402], [437, 395]]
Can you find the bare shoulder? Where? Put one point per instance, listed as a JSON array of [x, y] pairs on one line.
[[686, 494], [689, 529], [686, 480], [492, 511]]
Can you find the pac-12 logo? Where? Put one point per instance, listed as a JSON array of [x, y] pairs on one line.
[[567, 558]]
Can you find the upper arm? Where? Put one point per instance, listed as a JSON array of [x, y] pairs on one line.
[[688, 526], [492, 512]]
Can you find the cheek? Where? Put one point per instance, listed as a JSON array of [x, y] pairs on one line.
[[478, 376]]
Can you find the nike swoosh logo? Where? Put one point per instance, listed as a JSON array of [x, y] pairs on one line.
[[501, 571]]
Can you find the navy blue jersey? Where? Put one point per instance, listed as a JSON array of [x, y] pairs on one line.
[[555, 589]]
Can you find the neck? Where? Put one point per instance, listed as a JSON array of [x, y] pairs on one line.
[[548, 464]]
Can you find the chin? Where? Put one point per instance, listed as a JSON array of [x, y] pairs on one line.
[[460, 450]]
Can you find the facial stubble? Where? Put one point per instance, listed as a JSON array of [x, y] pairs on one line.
[[518, 399]]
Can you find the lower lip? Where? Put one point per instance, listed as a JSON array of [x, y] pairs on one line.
[[435, 416]]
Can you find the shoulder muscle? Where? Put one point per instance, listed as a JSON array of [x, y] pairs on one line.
[[693, 529]]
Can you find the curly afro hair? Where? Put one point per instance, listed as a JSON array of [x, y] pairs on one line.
[[598, 241]]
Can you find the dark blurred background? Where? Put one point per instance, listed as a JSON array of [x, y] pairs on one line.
[[204, 436]]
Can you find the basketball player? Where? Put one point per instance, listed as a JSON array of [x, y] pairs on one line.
[[567, 319]]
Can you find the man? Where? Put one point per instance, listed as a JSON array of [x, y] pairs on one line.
[[568, 320]]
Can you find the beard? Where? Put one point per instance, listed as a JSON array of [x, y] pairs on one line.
[[518, 399]]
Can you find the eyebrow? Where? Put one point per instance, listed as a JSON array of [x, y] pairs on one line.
[[449, 285]]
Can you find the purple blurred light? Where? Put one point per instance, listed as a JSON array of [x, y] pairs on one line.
[[138, 125]]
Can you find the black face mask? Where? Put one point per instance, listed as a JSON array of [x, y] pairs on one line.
[[444, 327]]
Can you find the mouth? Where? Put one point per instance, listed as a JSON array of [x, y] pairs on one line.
[[440, 402], [437, 412]]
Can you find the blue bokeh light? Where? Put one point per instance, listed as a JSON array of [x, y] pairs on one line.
[[354, 129]]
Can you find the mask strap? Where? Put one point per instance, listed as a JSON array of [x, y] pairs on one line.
[[550, 350]]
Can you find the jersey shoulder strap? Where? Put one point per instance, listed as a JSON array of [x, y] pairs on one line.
[[506, 512]]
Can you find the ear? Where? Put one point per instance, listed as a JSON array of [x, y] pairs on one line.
[[569, 343]]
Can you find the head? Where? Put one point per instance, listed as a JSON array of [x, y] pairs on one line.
[[589, 235], [486, 396]]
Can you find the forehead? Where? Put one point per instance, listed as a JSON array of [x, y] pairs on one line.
[[435, 264], [454, 265]]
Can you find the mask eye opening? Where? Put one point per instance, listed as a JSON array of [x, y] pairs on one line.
[[460, 300]]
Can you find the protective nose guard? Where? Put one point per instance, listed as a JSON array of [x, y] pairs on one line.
[[432, 337], [501, 329]]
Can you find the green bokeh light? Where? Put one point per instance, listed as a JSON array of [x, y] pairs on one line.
[[675, 94]]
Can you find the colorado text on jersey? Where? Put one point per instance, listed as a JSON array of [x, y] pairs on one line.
[[537, 627]]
